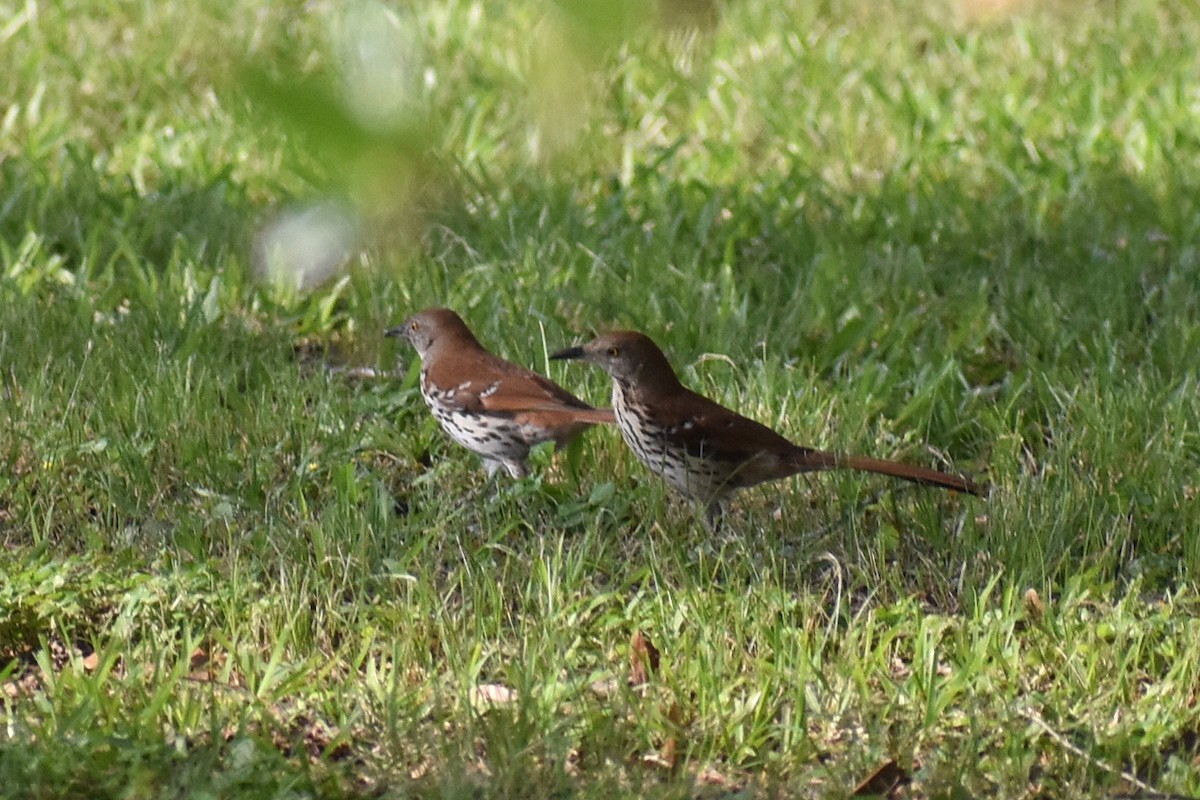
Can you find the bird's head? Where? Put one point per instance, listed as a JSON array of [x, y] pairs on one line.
[[425, 329], [628, 356]]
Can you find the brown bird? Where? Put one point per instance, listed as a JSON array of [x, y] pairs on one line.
[[701, 449], [490, 406]]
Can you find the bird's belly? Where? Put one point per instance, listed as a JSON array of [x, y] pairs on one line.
[[493, 437], [489, 435], [693, 477], [703, 479]]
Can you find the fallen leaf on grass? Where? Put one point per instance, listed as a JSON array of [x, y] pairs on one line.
[[711, 777], [883, 781], [199, 658], [643, 659], [670, 751], [320, 739], [658, 760], [202, 666], [493, 694], [26, 678], [605, 688], [1034, 608], [27, 684]]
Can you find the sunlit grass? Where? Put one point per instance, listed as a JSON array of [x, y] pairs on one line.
[[926, 232]]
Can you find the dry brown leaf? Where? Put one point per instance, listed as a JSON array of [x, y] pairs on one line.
[[201, 666], [493, 694], [711, 777], [27, 684], [1034, 608], [643, 659], [670, 747], [605, 688], [198, 659], [886, 778], [658, 760], [321, 739]]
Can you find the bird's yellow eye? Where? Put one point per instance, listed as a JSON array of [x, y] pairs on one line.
[[412, 326], [614, 351]]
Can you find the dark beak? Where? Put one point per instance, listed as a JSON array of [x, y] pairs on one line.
[[395, 333], [570, 352]]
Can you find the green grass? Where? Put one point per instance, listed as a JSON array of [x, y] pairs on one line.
[[916, 233]]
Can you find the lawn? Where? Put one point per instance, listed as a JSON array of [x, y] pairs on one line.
[[241, 560]]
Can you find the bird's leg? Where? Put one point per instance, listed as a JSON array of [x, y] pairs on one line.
[[517, 469], [714, 517]]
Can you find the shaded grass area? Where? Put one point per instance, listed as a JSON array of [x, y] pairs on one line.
[[228, 569]]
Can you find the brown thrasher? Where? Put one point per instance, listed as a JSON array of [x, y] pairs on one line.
[[704, 450], [490, 406]]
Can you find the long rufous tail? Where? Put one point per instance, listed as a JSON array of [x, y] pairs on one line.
[[820, 459]]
